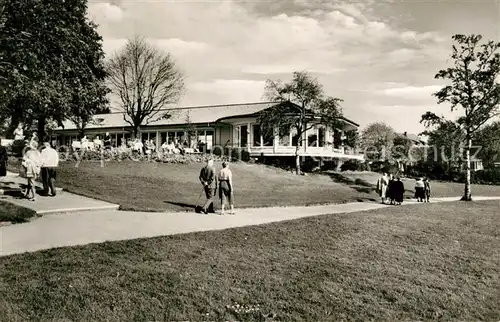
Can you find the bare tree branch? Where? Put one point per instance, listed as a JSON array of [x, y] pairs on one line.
[[146, 80]]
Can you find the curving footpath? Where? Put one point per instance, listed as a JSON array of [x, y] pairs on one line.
[[80, 228]]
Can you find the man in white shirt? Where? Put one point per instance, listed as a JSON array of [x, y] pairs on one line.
[[225, 179], [50, 162]]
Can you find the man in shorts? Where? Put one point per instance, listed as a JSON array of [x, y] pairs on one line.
[[225, 178]]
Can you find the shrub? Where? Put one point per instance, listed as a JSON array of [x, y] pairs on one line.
[[486, 176], [353, 165]]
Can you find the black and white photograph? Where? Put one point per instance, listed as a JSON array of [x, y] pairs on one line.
[[249, 160]]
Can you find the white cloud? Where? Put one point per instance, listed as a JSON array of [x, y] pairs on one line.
[[412, 92], [105, 12], [227, 51], [231, 90]]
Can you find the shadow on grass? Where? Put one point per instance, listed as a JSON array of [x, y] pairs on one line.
[[359, 185], [15, 214]]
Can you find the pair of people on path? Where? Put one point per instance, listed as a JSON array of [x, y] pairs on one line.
[[210, 181], [391, 189], [42, 164], [422, 190]]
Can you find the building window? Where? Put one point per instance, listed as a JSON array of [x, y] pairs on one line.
[[285, 139], [321, 136], [209, 139], [170, 137], [296, 139], [243, 136], [256, 135], [268, 139]]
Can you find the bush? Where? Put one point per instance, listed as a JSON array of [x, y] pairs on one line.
[[486, 176], [236, 154], [384, 166], [353, 165]]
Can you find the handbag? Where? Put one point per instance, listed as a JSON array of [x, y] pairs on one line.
[[22, 172]]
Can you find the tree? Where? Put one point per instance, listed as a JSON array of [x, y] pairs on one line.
[[474, 89], [47, 49], [146, 80], [190, 130], [352, 138], [301, 105], [377, 140], [401, 151], [488, 138], [90, 100]]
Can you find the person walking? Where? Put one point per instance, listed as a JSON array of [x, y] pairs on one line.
[[225, 179], [209, 182], [419, 190], [398, 191], [32, 161], [390, 189], [382, 185], [427, 190], [50, 162]]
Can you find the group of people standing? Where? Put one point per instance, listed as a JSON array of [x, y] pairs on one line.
[[391, 189], [210, 182]]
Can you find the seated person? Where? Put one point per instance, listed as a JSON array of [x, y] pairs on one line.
[[138, 146], [171, 148], [164, 147], [152, 146], [98, 143]]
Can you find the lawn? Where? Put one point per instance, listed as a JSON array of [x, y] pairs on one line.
[[175, 187], [15, 214], [416, 262]]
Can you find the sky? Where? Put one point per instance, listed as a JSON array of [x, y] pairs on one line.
[[380, 57]]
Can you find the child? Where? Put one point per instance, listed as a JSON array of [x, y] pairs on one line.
[[32, 162]]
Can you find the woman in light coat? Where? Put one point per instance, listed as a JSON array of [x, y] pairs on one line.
[[32, 163]]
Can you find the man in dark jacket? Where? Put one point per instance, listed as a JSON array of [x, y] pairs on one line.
[[209, 182]]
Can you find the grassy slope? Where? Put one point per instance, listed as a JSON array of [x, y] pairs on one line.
[[415, 262], [175, 187], [15, 214], [158, 186]]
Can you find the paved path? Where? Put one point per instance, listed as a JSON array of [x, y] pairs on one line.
[[81, 228], [64, 201]]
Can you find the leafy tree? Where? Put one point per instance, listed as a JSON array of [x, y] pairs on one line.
[[352, 138], [48, 50], [474, 89], [402, 148], [146, 80], [488, 139], [89, 101], [302, 104], [377, 141], [190, 130]]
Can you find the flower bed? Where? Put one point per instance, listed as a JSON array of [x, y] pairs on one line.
[[135, 156]]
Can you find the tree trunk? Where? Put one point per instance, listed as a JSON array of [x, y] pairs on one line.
[[41, 128], [467, 191], [297, 160], [136, 132], [81, 132]]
